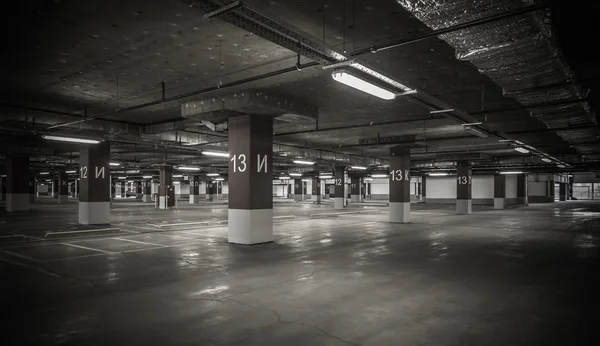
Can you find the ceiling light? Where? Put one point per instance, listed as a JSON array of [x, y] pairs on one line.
[[130, 181], [44, 173], [438, 174], [70, 172], [522, 150], [212, 174], [326, 177], [561, 166], [367, 179], [326, 174], [302, 162], [512, 172], [219, 179], [296, 174], [188, 168], [344, 77], [122, 178], [147, 177], [215, 153], [359, 167], [545, 159], [71, 139], [474, 130], [178, 176], [284, 178], [176, 182], [306, 180], [379, 175], [114, 164]]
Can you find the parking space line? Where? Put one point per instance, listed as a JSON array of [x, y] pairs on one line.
[[139, 242], [175, 236], [20, 256], [86, 248], [146, 249]]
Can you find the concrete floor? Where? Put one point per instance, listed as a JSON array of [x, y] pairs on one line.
[[524, 276]]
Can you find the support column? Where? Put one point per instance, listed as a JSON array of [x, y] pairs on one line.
[[17, 183], [94, 175], [316, 190], [3, 188], [166, 192], [77, 188], [123, 189], [138, 189], [32, 189], [355, 185], [210, 190], [63, 188], [298, 190], [399, 184], [424, 189], [340, 182], [464, 183], [55, 188], [499, 191], [72, 189], [562, 191], [113, 189], [250, 180], [195, 189], [147, 195], [522, 190]]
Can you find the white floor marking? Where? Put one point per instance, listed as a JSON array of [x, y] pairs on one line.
[[175, 236], [137, 241], [85, 247], [20, 256]]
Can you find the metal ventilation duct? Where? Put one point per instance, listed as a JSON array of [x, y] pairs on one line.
[[518, 53]]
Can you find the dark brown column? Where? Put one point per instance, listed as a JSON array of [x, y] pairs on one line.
[[94, 183], [464, 184], [399, 184], [17, 182], [250, 179], [499, 191]]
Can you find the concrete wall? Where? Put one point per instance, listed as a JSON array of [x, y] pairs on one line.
[[380, 188], [537, 188], [511, 190], [442, 190]]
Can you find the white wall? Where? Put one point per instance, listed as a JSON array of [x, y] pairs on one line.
[[536, 188], [511, 186], [482, 186], [441, 187], [43, 188], [380, 187]]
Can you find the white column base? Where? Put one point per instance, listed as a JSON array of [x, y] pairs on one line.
[[499, 203], [354, 198], [162, 202], [146, 198], [338, 203], [250, 226], [94, 213], [63, 199], [464, 206], [400, 212], [194, 199], [17, 202]]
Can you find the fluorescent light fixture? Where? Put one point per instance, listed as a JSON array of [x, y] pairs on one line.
[[219, 179], [522, 150], [545, 159], [344, 77], [44, 173], [379, 175], [122, 178], [512, 172], [561, 166], [130, 181], [284, 178], [147, 177], [302, 162], [306, 180], [70, 172], [212, 174], [70, 139], [474, 130], [325, 174], [176, 183], [326, 177], [134, 171], [177, 175], [359, 167], [438, 174], [367, 179], [114, 164], [296, 174], [215, 153], [188, 168]]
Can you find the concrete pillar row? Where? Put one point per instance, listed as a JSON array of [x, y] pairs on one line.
[[250, 216], [399, 184]]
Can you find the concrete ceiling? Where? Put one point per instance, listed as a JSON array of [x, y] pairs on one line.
[[67, 59]]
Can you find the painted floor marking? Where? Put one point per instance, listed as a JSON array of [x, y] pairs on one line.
[[85, 247], [137, 241]]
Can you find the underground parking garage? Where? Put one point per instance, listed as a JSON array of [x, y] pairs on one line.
[[342, 172]]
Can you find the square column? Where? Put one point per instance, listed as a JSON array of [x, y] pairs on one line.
[[298, 190], [123, 189], [63, 188], [399, 184], [94, 183], [32, 188], [250, 180], [77, 188], [316, 190], [522, 190], [424, 189], [55, 185], [355, 187], [113, 189], [210, 190], [464, 184], [17, 183], [562, 191], [166, 191], [499, 191], [2, 188], [195, 189], [147, 195], [138, 189], [340, 183]]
